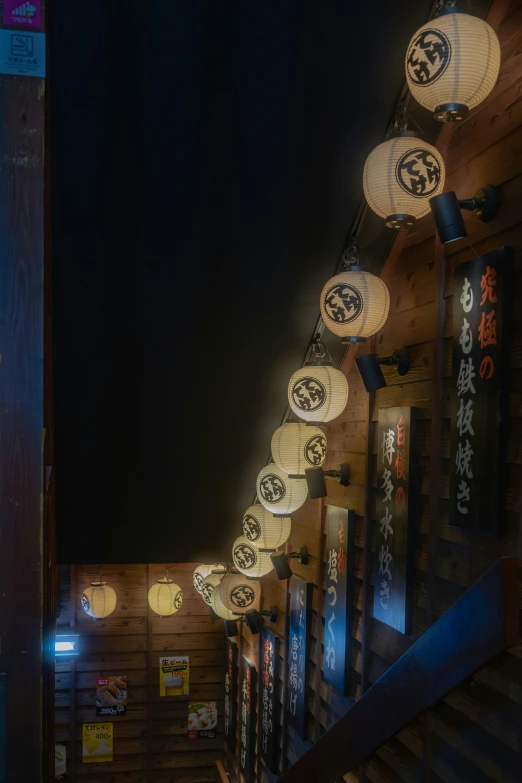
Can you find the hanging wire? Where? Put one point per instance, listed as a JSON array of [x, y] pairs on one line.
[[100, 579]]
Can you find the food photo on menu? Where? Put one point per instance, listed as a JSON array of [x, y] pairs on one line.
[[202, 718]]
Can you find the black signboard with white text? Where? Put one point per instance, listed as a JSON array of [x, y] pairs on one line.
[[269, 723], [395, 494], [340, 535], [481, 305], [247, 718], [300, 627], [231, 695]]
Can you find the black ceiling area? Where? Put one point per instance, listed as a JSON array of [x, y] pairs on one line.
[[206, 162]]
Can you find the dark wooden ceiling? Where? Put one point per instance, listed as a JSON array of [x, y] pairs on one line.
[[206, 167]]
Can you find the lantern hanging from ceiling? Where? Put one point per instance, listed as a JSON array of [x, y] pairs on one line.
[[399, 178], [355, 304], [99, 600], [216, 602], [278, 493], [296, 447], [249, 560], [200, 573], [238, 593], [452, 64], [263, 529], [208, 586], [318, 394], [165, 597]]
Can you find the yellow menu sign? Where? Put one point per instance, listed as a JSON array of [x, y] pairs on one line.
[[97, 742]]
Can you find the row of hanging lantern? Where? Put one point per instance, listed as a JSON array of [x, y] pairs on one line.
[[452, 64]]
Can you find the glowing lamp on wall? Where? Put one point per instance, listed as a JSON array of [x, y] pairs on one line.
[[99, 600], [263, 530], [165, 597], [279, 493], [296, 447], [354, 305]]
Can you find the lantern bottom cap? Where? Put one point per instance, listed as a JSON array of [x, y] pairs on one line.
[[314, 424], [400, 220], [353, 340], [297, 475], [451, 112], [282, 516]]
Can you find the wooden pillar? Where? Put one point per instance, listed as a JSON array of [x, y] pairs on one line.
[[24, 626]]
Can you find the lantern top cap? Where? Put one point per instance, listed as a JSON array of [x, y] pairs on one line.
[[405, 134], [165, 581], [446, 7], [98, 584]]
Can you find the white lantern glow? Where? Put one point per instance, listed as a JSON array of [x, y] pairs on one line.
[[452, 64], [355, 305], [200, 573], [238, 593], [99, 600], [220, 609], [263, 529], [250, 560], [296, 447], [318, 394], [278, 493], [165, 597], [208, 586], [400, 176]]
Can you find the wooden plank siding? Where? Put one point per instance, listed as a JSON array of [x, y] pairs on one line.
[[475, 733], [150, 742]]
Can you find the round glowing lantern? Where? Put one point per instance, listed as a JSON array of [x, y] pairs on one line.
[[99, 600], [263, 530], [318, 394], [200, 573], [220, 609], [400, 176], [296, 447], [278, 493], [355, 305], [208, 586], [238, 593], [165, 597], [250, 560], [452, 64]]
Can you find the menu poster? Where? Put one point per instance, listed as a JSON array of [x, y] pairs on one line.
[[298, 654], [97, 742], [269, 660], [60, 761], [482, 294], [340, 538], [111, 696], [247, 720], [202, 719], [392, 603], [231, 695], [174, 675]]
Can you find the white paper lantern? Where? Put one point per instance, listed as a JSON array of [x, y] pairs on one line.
[[220, 609], [296, 447], [238, 593], [355, 305], [318, 394], [278, 493], [250, 560], [200, 573], [399, 178], [208, 586], [452, 64], [165, 597], [263, 529], [99, 600]]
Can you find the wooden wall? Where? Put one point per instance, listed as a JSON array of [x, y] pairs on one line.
[[475, 734], [150, 742]]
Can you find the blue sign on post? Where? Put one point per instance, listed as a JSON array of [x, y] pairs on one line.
[[298, 660], [22, 53]]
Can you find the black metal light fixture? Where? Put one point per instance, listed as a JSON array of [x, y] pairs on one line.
[[280, 562], [369, 367], [315, 479], [253, 618], [231, 627], [446, 210]]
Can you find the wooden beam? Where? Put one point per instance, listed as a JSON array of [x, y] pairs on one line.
[[479, 626], [222, 774]]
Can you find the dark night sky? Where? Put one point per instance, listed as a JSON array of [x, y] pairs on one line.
[[207, 161]]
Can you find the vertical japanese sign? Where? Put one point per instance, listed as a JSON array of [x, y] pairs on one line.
[[298, 656], [340, 534], [394, 562], [231, 695], [270, 657], [479, 416], [245, 756]]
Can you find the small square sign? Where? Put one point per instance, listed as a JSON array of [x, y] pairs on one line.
[[22, 14], [22, 53]]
